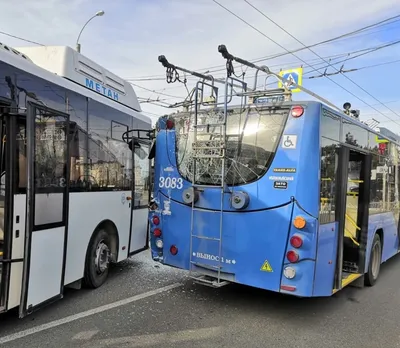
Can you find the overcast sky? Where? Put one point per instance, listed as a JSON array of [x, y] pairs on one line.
[[133, 33]]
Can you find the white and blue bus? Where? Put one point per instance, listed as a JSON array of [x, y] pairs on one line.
[[74, 195]]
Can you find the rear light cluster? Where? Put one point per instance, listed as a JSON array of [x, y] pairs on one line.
[[173, 250], [297, 111], [157, 233], [296, 242], [292, 256], [155, 220], [169, 124]]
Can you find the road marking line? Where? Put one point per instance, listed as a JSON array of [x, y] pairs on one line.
[[158, 338], [87, 313], [85, 335]]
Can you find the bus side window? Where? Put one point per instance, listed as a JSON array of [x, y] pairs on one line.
[[21, 171], [21, 155], [328, 176]]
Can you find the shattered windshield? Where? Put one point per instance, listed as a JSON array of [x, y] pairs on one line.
[[252, 137]]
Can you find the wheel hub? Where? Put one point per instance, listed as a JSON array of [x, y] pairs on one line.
[[102, 257]]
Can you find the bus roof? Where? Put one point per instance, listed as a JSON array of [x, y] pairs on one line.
[[67, 68]]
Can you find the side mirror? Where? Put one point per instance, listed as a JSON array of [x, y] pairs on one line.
[[138, 149], [141, 153]]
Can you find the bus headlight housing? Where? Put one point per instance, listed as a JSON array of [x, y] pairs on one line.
[[289, 272]]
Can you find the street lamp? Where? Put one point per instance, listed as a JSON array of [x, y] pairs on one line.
[[98, 14]]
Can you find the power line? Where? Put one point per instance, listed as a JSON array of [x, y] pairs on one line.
[[357, 56], [154, 101], [376, 65], [278, 55], [361, 52], [20, 38], [154, 91], [266, 36], [339, 55], [361, 68], [348, 78], [345, 71]]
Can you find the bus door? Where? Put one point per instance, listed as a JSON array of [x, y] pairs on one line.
[[11, 255], [141, 194], [46, 222], [352, 202]]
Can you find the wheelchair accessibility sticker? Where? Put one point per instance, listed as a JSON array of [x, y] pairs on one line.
[[289, 141]]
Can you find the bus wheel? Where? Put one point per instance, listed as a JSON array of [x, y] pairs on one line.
[[98, 260], [375, 259]]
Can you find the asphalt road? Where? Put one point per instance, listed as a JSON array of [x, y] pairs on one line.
[[191, 315]]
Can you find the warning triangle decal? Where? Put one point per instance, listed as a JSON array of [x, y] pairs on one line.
[[266, 267]]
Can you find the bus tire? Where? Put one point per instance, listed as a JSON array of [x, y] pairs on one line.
[[375, 259], [98, 260]]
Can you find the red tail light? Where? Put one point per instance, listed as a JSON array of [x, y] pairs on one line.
[[157, 232], [169, 124], [292, 256], [297, 111], [288, 288], [296, 242], [156, 220], [173, 250]]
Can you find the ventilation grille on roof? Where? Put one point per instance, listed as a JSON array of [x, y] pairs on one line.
[[13, 51]]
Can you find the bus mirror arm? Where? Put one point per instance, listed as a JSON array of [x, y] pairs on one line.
[[152, 152], [133, 143]]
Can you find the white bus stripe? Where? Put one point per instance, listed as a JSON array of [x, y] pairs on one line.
[[87, 313]]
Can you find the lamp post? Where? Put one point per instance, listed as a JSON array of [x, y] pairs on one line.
[[98, 14]]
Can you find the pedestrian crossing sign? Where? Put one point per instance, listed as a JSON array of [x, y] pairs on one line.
[[266, 267], [380, 140], [292, 76]]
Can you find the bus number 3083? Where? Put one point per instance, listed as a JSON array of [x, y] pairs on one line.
[[168, 182]]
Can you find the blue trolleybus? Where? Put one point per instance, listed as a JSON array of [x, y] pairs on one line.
[[297, 197]]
